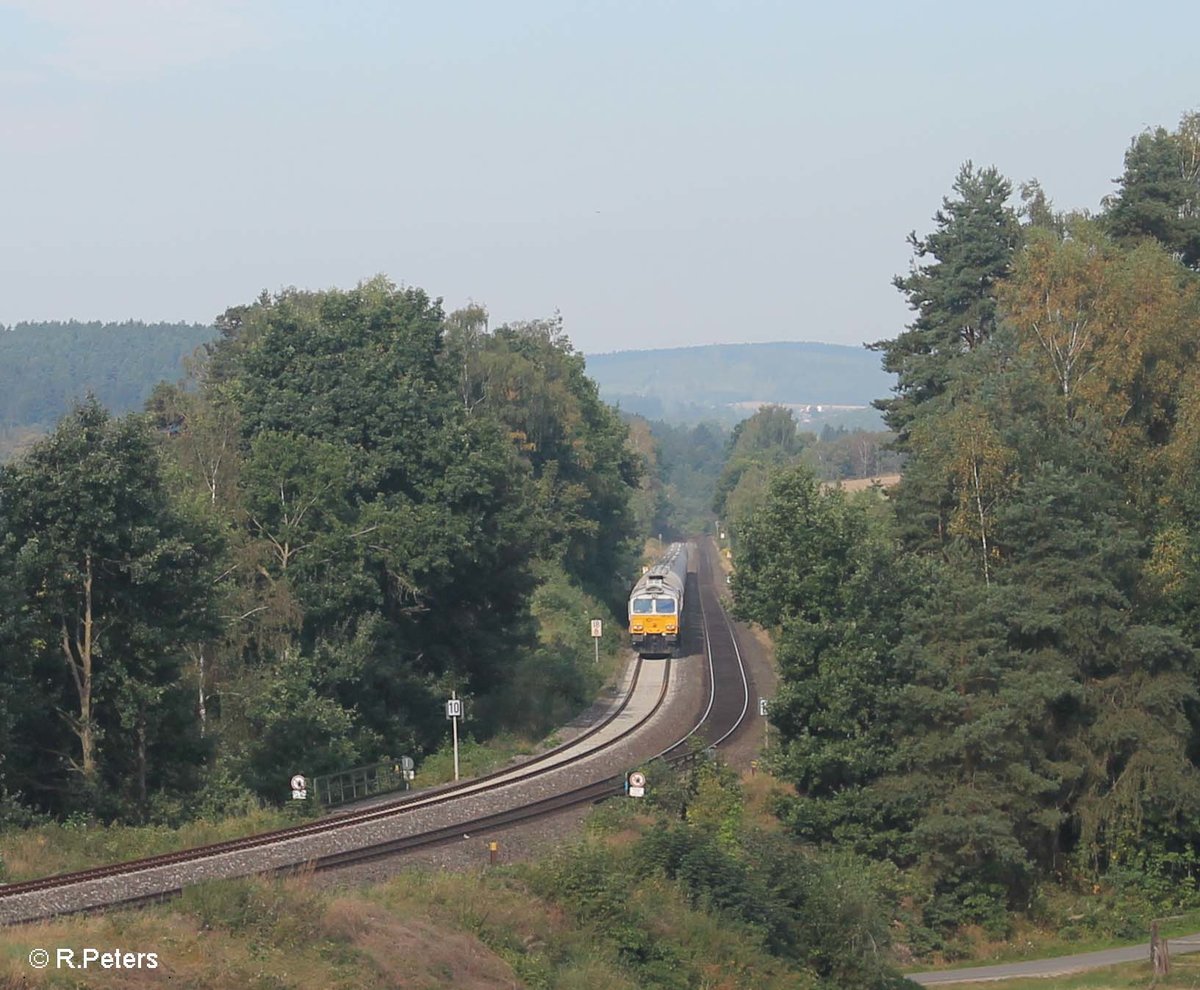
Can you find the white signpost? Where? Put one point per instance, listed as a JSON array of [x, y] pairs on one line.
[[299, 787], [454, 713], [597, 632]]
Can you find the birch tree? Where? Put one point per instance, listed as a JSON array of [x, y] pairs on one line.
[[115, 581]]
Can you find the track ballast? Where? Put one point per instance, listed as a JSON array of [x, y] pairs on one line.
[[539, 787]]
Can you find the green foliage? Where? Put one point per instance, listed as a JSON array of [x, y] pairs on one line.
[[991, 681], [768, 438], [530, 377], [795, 549], [690, 459], [971, 252], [46, 367], [548, 685], [585, 879], [343, 514], [1159, 193], [840, 454], [296, 727], [109, 582], [828, 911], [387, 534], [651, 504]]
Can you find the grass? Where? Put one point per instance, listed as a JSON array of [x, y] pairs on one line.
[[43, 850], [508, 926], [51, 848], [420, 930], [60, 848], [474, 758]]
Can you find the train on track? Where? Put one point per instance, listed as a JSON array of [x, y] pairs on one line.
[[656, 604]]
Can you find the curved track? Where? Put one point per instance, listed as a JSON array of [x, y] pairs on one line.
[[372, 832], [729, 690]]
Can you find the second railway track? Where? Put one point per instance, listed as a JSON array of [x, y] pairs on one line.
[[541, 786]]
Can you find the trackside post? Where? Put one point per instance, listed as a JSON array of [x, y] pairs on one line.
[[454, 713]]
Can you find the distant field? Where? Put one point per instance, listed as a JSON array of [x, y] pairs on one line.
[[858, 484]]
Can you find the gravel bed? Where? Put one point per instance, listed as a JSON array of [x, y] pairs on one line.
[[610, 698], [746, 743], [540, 837], [521, 842], [676, 717]]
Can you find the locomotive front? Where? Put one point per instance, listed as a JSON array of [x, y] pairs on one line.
[[656, 605]]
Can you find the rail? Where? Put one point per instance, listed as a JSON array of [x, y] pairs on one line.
[[725, 664]]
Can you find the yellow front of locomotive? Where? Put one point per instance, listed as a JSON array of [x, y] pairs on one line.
[[654, 620]]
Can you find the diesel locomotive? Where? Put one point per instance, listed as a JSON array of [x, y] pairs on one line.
[[656, 604]]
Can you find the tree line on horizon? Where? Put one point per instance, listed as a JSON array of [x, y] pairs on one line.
[[989, 678]]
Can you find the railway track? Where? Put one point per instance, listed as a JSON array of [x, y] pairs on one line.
[[729, 689], [536, 788]]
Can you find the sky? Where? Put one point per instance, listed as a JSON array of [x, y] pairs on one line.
[[660, 173]]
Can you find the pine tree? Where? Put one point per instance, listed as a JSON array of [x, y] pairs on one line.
[[1159, 193], [971, 252]]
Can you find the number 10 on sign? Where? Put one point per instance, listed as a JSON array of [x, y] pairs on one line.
[[597, 632], [454, 713]]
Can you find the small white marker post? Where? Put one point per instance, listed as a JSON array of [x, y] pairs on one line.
[[454, 713], [597, 631], [764, 708]]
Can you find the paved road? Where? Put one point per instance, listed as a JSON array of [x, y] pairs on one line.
[[1060, 966]]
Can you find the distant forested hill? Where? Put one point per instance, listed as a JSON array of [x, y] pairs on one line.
[[44, 366], [719, 380]]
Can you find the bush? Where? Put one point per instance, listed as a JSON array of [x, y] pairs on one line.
[[970, 902]]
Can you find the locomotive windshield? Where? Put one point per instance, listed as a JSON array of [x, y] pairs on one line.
[[664, 606], [643, 606]]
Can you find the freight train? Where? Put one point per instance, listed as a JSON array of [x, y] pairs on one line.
[[656, 604]]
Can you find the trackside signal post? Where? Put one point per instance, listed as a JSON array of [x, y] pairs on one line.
[[454, 713], [597, 631]]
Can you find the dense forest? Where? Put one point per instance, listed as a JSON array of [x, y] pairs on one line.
[[355, 504], [989, 677], [44, 367], [698, 473]]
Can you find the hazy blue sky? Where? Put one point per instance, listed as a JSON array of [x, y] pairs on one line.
[[662, 173]]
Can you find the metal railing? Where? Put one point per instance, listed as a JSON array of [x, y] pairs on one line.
[[362, 782]]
